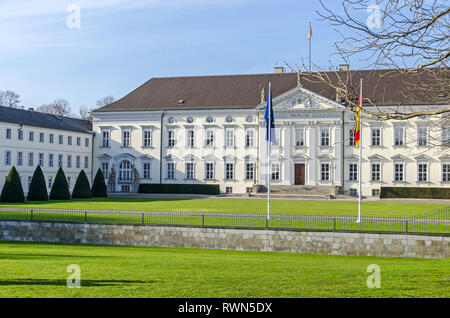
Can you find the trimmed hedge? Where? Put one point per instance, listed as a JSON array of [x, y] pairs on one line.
[[38, 189], [12, 189], [419, 193], [60, 188], [211, 189], [82, 189], [99, 188]]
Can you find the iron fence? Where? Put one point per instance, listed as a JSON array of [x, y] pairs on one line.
[[436, 222]]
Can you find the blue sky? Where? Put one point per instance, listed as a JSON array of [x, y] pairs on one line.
[[121, 43]]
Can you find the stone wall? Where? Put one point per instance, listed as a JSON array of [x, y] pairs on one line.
[[362, 244]]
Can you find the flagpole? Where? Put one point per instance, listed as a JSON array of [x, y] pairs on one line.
[[360, 157], [269, 151], [310, 39]]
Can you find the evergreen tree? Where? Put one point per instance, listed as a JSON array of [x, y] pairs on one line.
[[82, 189], [60, 188], [12, 189], [38, 189], [99, 188]]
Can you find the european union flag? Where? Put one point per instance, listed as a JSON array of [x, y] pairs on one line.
[[269, 116]]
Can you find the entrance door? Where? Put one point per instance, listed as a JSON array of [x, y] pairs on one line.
[[300, 174]]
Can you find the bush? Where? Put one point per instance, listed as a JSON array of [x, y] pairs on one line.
[[82, 189], [12, 189], [211, 189], [38, 189], [419, 193], [60, 188], [99, 188]]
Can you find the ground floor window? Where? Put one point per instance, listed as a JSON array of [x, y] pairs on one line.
[[399, 174], [249, 171], [125, 171], [422, 172], [104, 168], [325, 172], [229, 171], [228, 190], [353, 192], [375, 192], [125, 188], [353, 172], [275, 171], [189, 170], [209, 171], [171, 170], [147, 170], [376, 172], [445, 172]]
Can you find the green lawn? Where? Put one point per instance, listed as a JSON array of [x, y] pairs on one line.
[[331, 208], [39, 270]]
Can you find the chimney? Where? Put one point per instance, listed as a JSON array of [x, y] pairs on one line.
[[278, 69], [344, 67]]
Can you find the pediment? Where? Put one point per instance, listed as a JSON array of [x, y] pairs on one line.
[[191, 158], [399, 157], [172, 158], [377, 157], [104, 157]]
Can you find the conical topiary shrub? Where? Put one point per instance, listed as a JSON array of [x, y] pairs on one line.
[[38, 189], [60, 188], [12, 189], [99, 186], [82, 189]]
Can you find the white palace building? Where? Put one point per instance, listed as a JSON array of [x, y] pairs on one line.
[[211, 130]]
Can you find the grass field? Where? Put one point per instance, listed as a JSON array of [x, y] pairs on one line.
[[330, 208], [39, 270]]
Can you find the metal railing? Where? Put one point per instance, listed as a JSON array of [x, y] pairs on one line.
[[436, 222]]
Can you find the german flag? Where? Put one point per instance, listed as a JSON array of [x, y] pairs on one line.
[[310, 32], [358, 122]]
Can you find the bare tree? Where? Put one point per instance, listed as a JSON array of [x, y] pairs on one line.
[[60, 107], [9, 99], [85, 113], [105, 101], [405, 43]]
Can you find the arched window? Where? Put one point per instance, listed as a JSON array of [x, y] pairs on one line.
[[126, 171]]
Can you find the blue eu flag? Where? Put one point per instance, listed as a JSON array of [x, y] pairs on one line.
[[269, 116]]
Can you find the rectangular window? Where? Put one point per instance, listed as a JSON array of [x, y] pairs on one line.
[[69, 161], [30, 159], [375, 172], [69, 140], [353, 172], [147, 172], [249, 171], [105, 138], [209, 171], [104, 168], [147, 138], [422, 170], [8, 133], [20, 134], [78, 161], [445, 172], [300, 137], [189, 170], [399, 172], [60, 160], [50, 160], [375, 192], [69, 180], [86, 142], [41, 137], [228, 190], [325, 172], [29, 181], [41, 159], [126, 138], [275, 171], [376, 137], [249, 138], [209, 138], [171, 138], [190, 142], [31, 136], [61, 139], [324, 137], [229, 171], [78, 141], [19, 158], [399, 139], [171, 170], [422, 136], [446, 136], [86, 162], [351, 137], [229, 137], [51, 138], [50, 182], [7, 158]]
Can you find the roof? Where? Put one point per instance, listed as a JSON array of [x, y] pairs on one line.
[[43, 120], [244, 91]]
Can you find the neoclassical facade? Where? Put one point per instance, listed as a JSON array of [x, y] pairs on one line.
[[211, 130]]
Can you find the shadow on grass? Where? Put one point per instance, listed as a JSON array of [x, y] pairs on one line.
[[63, 282], [31, 256]]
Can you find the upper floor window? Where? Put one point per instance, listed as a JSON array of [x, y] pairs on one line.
[[446, 136], [126, 138], [20, 134], [86, 142], [351, 137], [399, 136], [171, 138], [86, 162], [209, 138], [19, 158], [60, 139], [41, 137], [50, 160], [60, 160], [51, 138], [229, 137], [78, 163], [31, 136], [105, 138], [69, 140], [8, 133], [78, 141], [31, 159], [300, 137], [190, 141], [249, 138], [376, 137], [7, 158], [324, 137], [69, 161], [422, 136], [446, 172], [41, 159], [147, 138]]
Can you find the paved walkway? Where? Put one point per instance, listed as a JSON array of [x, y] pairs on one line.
[[274, 198]]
